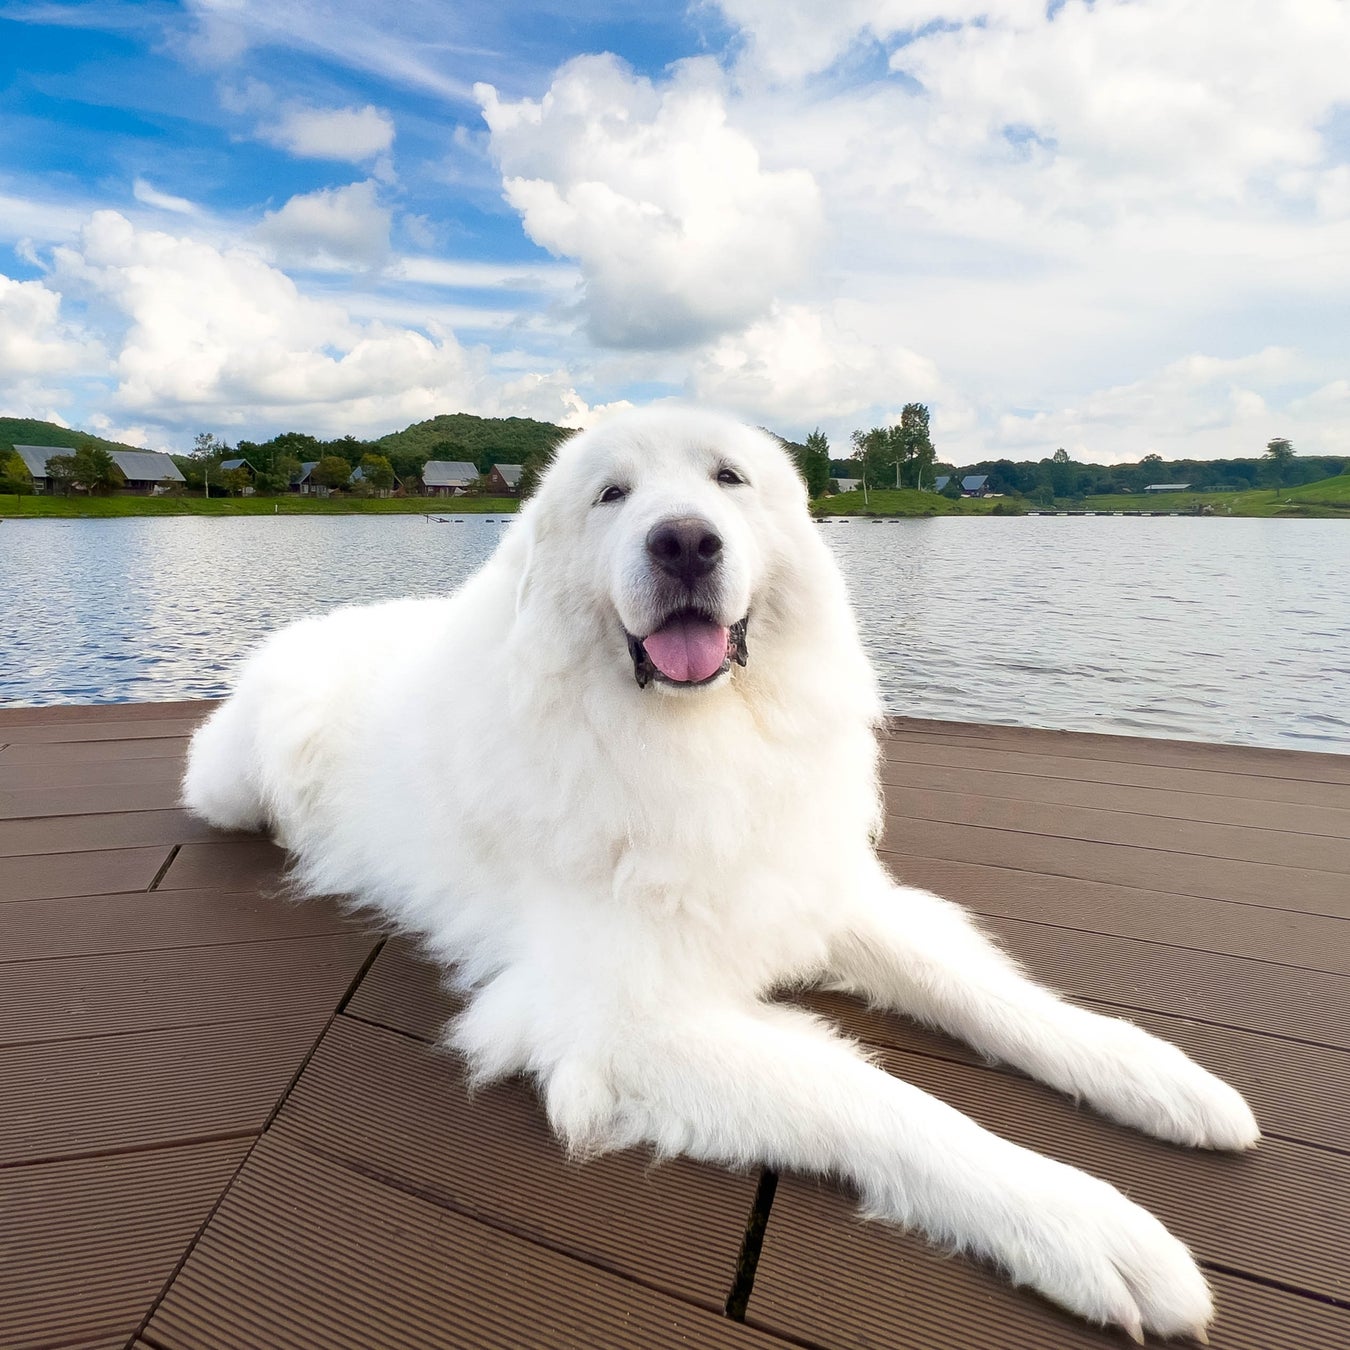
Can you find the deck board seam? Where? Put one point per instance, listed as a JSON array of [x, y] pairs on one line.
[[356, 979], [1106, 811], [1175, 946], [1144, 848]]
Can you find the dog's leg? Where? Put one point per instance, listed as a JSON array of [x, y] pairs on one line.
[[771, 1085], [910, 951]]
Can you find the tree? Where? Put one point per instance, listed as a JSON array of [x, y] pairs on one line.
[[875, 456], [1280, 449], [236, 481], [914, 446], [62, 471], [206, 446], [377, 471], [14, 475], [96, 470], [332, 471], [815, 464], [1061, 456], [951, 489]]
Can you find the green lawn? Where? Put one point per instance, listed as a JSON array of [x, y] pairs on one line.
[[905, 502], [1328, 498], [84, 508]]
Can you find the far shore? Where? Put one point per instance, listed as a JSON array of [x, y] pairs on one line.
[[1328, 499]]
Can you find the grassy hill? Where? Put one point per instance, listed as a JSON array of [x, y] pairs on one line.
[[29, 431], [508, 440]]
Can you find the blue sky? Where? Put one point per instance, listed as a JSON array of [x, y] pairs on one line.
[[1120, 226]]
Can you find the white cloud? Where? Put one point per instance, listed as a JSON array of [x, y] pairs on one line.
[[344, 226], [350, 134], [680, 231], [40, 351], [209, 336], [803, 365], [148, 195]]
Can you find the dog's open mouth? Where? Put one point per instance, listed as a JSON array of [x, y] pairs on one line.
[[690, 648]]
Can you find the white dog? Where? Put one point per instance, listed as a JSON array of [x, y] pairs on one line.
[[624, 782]]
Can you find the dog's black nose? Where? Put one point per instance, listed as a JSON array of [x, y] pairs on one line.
[[684, 547]]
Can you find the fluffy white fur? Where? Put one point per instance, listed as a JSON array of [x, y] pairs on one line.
[[619, 876]]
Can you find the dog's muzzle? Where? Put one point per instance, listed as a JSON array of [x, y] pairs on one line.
[[689, 650]]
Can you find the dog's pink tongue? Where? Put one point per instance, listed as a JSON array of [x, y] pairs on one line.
[[688, 649]]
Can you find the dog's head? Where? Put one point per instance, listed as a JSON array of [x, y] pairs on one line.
[[674, 528]]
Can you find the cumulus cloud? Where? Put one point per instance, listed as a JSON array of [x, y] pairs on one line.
[[805, 364], [679, 229], [344, 226], [350, 134], [40, 350], [220, 337]]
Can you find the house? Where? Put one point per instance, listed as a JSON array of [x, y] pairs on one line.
[[1167, 487], [974, 485], [359, 477], [148, 472], [941, 481], [447, 477], [228, 465], [302, 482], [504, 478], [35, 459], [849, 484]]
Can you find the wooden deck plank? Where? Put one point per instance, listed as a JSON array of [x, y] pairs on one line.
[[1305, 765], [306, 1254], [833, 1283], [118, 829], [964, 753], [122, 729], [137, 921], [67, 998], [94, 752], [51, 876], [17, 780], [1313, 941], [404, 991], [89, 799], [90, 1243], [1216, 808], [242, 863], [1307, 1005], [1201, 839], [393, 1109], [116, 1093], [1295, 888], [67, 714]]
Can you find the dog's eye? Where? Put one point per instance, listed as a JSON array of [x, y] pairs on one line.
[[614, 493], [728, 476]]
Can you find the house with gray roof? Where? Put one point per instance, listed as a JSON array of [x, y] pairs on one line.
[[303, 482], [975, 485], [447, 477], [358, 477], [145, 471], [505, 478], [35, 459]]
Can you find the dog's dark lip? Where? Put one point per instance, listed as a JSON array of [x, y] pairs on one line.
[[644, 672]]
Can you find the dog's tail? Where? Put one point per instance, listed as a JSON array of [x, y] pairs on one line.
[[221, 782]]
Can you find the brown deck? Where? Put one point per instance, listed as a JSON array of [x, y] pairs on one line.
[[222, 1122]]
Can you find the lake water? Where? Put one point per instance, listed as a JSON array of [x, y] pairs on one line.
[[1217, 630]]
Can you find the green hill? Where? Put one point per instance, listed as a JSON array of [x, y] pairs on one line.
[[29, 431], [504, 440]]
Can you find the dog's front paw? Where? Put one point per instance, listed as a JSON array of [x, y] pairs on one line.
[[1089, 1249], [1142, 1081]]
